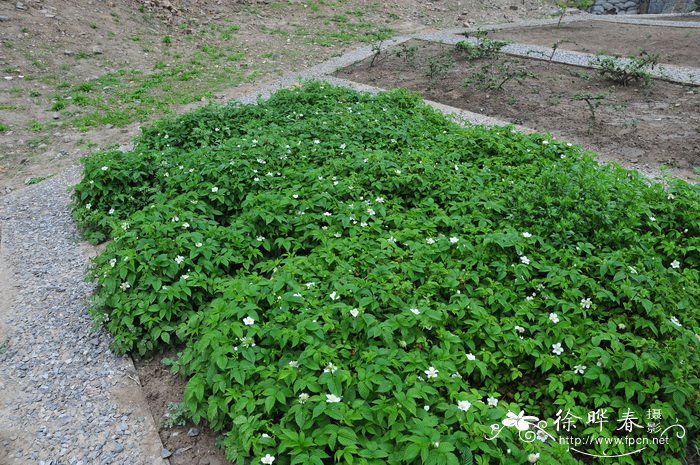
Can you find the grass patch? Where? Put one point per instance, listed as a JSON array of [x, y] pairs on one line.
[[357, 277], [37, 179]]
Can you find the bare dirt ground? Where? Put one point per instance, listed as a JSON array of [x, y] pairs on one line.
[[77, 75], [670, 44], [646, 127]]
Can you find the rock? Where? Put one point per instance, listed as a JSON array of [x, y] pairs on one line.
[[165, 453], [192, 432], [20, 6], [118, 448], [69, 53], [4, 19], [55, 115], [97, 50]]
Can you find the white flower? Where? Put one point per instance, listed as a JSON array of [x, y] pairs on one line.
[[88, 206], [542, 435], [261, 161], [391, 240], [519, 329], [327, 213], [309, 285], [492, 401], [354, 312], [264, 435], [675, 264], [111, 211], [621, 326], [175, 219], [554, 318], [580, 369], [342, 146], [545, 142], [113, 262], [524, 260], [456, 375], [586, 303], [530, 298], [295, 196], [179, 259], [333, 399], [185, 277], [430, 240], [520, 421], [215, 189], [185, 225], [197, 244], [379, 200], [532, 458], [527, 234], [363, 224], [464, 405], [675, 321], [414, 310], [125, 226], [371, 212], [303, 397], [454, 240], [431, 372], [471, 357], [104, 168], [334, 296], [316, 141], [125, 285], [652, 218], [294, 364], [330, 368], [260, 238], [248, 321], [268, 459], [557, 349], [426, 408]]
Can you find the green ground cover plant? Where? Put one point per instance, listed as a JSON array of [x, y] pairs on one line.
[[357, 279]]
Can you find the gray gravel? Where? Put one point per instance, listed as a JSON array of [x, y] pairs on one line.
[[66, 399]]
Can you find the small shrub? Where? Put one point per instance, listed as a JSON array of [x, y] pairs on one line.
[[484, 48], [624, 73]]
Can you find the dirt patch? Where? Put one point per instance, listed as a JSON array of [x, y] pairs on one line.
[[673, 45], [163, 389], [641, 127]]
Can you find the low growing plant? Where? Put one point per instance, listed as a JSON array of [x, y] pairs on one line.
[[634, 70], [356, 279], [483, 48]]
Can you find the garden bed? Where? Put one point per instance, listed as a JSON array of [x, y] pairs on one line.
[[673, 45], [639, 126]]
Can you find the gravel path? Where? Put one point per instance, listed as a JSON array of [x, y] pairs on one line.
[[66, 399]]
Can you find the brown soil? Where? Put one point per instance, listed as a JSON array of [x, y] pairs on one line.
[[673, 45], [161, 389], [642, 127]]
